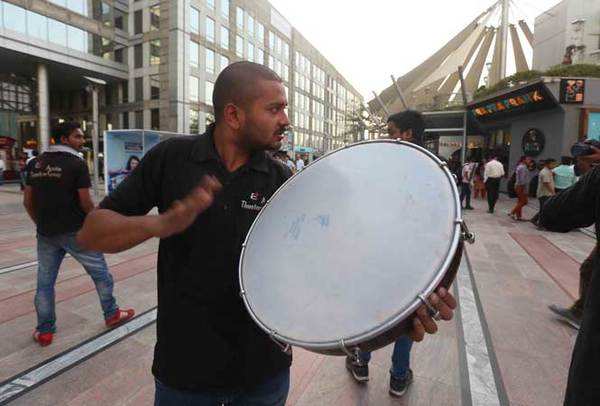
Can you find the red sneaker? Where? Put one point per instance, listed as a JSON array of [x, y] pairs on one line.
[[121, 316], [43, 339]]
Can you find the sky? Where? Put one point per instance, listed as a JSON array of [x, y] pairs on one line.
[[367, 41]]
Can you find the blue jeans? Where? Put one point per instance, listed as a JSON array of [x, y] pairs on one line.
[[51, 251], [400, 357], [273, 392]]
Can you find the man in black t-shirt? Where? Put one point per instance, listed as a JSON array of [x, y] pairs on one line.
[[57, 198], [208, 351]]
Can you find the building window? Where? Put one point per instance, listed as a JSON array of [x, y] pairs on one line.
[[271, 41], [126, 120], [194, 54], [155, 52], [57, 31], [250, 51], [37, 26], [208, 92], [194, 119], [224, 37], [224, 62], [125, 90], [155, 87], [225, 9], [77, 39], [14, 18], [260, 33], [251, 25], [210, 29], [139, 119], [194, 20], [239, 17], [155, 18], [139, 89], [155, 119], [119, 55], [194, 87], [138, 22], [210, 61], [210, 4], [239, 46], [120, 19], [138, 56], [260, 56]]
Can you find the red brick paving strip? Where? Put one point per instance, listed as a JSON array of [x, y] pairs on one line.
[[305, 369], [563, 269], [22, 304]]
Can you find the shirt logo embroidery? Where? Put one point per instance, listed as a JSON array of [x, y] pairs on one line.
[[254, 204]]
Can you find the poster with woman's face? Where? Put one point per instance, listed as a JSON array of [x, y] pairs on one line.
[[123, 152]]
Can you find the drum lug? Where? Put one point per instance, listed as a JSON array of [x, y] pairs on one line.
[[352, 354], [286, 348], [465, 234], [443, 164]]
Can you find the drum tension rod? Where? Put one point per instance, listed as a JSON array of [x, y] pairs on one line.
[[352, 355], [465, 234], [286, 348]]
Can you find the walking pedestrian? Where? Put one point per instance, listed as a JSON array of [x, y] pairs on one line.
[[478, 183], [521, 187], [290, 164], [2, 169], [493, 173], [564, 174], [467, 175], [299, 164], [545, 188], [407, 126], [57, 198]]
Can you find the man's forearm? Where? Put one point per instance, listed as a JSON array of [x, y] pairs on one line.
[[107, 231]]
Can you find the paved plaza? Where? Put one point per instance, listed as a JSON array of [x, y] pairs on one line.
[[503, 347]]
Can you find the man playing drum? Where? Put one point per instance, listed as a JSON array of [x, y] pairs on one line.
[[208, 190], [407, 126]]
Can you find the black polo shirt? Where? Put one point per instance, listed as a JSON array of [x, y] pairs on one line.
[[205, 338], [55, 178]]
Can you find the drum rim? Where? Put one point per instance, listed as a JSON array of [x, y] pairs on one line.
[[366, 336]]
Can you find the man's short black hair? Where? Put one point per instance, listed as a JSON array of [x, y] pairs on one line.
[[237, 84], [64, 130], [410, 120], [566, 160]]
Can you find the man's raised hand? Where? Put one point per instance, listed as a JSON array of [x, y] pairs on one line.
[[183, 213]]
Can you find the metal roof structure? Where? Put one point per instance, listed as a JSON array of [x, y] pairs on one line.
[[482, 44]]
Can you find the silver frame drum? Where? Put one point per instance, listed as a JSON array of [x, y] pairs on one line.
[[378, 335]]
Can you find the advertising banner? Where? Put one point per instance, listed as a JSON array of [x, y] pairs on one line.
[[123, 151]]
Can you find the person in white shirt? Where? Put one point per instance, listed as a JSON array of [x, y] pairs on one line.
[[299, 164], [2, 169], [290, 164], [493, 173]]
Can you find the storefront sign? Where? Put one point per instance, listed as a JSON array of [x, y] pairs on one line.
[[527, 99], [507, 104], [572, 91], [533, 142]]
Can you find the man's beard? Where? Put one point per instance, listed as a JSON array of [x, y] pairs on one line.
[[253, 139]]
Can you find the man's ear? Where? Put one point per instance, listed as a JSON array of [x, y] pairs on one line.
[[234, 116]]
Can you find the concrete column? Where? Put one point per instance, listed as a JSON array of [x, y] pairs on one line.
[[43, 107]]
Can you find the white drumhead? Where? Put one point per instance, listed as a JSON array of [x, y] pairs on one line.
[[344, 247]]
